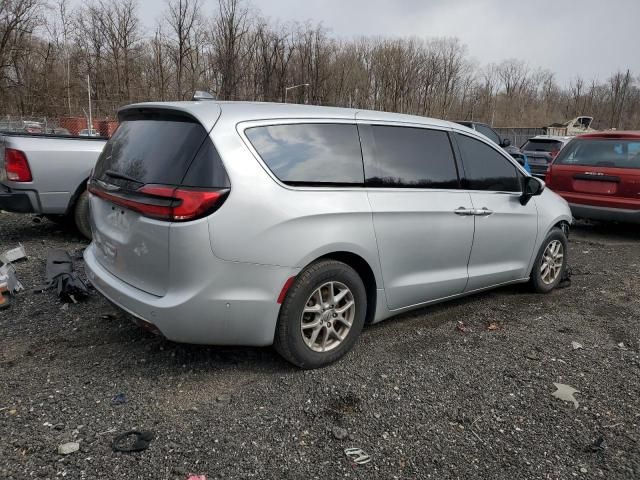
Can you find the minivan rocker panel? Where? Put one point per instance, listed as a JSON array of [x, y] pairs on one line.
[[291, 206]]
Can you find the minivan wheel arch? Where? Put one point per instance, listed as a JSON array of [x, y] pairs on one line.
[[563, 225], [364, 270]]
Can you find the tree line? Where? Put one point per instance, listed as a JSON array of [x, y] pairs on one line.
[[48, 47]]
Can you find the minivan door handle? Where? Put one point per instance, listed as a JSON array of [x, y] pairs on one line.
[[464, 211], [483, 212]]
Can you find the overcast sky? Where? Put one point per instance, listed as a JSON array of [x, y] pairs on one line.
[[591, 38]]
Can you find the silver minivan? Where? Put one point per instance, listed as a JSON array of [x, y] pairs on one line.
[[258, 224]]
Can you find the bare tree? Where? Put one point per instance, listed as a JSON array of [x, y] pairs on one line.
[[183, 19], [48, 47], [229, 31]]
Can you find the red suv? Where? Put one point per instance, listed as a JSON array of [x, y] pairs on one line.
[[599, 175]]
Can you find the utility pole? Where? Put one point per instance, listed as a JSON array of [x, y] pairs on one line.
[[90, 126], [286, 90]]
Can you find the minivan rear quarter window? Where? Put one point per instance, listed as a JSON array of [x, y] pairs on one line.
[[315, 154], [408, 157]]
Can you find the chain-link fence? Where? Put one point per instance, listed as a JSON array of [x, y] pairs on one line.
[[74, 126], [519, 136]]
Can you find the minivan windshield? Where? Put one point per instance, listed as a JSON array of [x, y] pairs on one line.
[[601, 152], [542, 145]]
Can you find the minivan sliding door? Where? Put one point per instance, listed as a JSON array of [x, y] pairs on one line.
[[421, 217]]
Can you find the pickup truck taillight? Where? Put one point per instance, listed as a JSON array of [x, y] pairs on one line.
[[17, 166]]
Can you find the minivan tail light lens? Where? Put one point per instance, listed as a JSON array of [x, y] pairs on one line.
[[547, 176], [16, 166], [162, 202]]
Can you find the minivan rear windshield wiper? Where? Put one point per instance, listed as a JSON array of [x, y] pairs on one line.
[[121, 176]]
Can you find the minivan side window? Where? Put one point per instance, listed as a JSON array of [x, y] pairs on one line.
[[408, 157], [485, 168], [315, 154]]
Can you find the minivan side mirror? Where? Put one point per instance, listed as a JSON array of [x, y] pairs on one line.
[[532, 186], [505, 143]]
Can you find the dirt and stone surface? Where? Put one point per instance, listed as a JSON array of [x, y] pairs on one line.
[[421, 397]]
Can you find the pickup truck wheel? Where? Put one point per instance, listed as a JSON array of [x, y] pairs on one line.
[[322, 315], [81, 215]]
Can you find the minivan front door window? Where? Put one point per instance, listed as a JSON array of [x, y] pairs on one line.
[[485, 168]]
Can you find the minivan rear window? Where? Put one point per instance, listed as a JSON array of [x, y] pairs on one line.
[[600, 152], [160, 149], [310, 153]]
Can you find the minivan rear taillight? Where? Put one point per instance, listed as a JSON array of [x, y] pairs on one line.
[[547, 176], [173, 204], [16, 166]]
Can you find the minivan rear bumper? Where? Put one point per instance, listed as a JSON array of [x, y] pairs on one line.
[[605, 213], [236, 305]]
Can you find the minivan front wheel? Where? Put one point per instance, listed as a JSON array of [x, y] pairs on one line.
[[322, 315], [550, 263]]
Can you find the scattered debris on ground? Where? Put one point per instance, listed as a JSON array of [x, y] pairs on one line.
[[119, 399], [462, 328], [565, 393], [60, 275], [8, 280], [599, 444], [68, 448], [132, 441], [576, 345], [357, 455], [13, 255]]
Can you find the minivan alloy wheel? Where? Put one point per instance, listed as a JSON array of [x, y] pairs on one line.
[[327, 316], [552, 260]]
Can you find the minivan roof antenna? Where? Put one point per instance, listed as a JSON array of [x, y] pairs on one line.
[[202, 95]]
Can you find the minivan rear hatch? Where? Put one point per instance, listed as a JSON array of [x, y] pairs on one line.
[[159, 167], [599, 171]]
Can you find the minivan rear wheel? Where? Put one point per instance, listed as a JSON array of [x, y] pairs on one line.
[[551, 262], [322, 315]]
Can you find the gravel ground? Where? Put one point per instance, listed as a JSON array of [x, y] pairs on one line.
[[423, 399]]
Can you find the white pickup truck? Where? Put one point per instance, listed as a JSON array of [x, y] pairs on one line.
[[47, 175]]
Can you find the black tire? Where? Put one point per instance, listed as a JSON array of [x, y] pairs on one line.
[[538, 284], [289, 340], [81, 215]]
